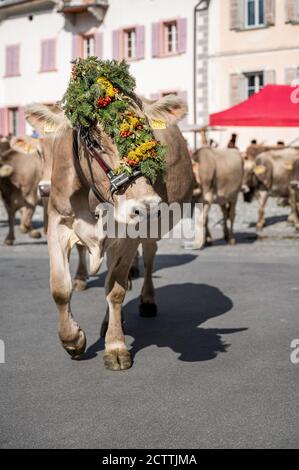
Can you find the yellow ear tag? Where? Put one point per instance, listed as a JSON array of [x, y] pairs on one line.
[[29, 149], [289, 166], [260, 169], [158, 124], [49, 128]]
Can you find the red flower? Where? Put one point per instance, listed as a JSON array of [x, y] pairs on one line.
[[103, 102], [125, 134]]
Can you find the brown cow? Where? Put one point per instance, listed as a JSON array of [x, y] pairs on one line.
[[19, 177], [71, 221], [268, 175], [218, 174]]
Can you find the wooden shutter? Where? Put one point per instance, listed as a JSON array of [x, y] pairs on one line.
[[237, 88], [156, 39], [292, 11], [98, 45], [270, 77], [21, 120], [2, 122], [140, 42], [77, 46], [48, 52], [12, 60], [291, 74], [270, 12], [237, 14], [116, 44], [182, 35]]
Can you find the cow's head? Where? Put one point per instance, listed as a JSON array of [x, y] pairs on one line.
[[138, 197]]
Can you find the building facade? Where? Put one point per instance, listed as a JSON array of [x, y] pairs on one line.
[[213, 53], [38, 40], [251, 43]]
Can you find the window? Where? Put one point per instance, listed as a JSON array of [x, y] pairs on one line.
[[88, 46], [170, 37], [254, 82], [255, 13], [13, 120], [12, 60], [130, 43], [48, 52]]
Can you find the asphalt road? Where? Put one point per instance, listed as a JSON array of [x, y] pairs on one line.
[[213, 370]]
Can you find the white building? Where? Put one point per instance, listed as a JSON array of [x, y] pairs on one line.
[[38, 40], [213, 53]]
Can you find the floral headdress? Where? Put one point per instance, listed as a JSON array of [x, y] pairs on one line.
[[103, 91]]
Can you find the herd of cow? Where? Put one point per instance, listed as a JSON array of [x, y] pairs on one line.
[[53, 172]]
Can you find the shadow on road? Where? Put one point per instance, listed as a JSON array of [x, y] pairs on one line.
[[161, 262], [183, 308], [275, 219]]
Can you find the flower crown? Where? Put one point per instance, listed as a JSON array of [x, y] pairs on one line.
[[103, 91]]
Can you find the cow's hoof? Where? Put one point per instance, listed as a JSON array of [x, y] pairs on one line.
[[8, 242], [79, 285], [232, 241], [259, 227], [148, 310], [117, 360], [297, 227], [209, 242], [35, 234], [76, 347], [23, 229]]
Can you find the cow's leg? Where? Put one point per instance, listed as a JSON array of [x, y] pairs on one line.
[[134, 271], [26, 222], [10, 237], [71, 335], [231, 214], [148, 307], [262, 199], [293, 217], [117, 356], [225, 213], [81, 276]]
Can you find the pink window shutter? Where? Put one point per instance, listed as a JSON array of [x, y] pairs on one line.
[[2, 122], [8, 66], [156, 39], [140, 38], [116, 44], [52, 54], [12, 60], [98, 45], [21, 121], [182, 35], [77, 48], [16, 60]]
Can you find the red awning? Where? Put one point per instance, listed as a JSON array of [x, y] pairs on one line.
[[273, 106]]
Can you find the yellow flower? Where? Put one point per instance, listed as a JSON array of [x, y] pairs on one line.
[[107, 87]]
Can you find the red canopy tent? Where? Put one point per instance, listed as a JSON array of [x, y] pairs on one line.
[[273, 106]]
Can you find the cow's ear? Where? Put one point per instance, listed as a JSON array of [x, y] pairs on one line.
[[6, 171], [45, 119], [166, 111], [25, 144], [259, 170]]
